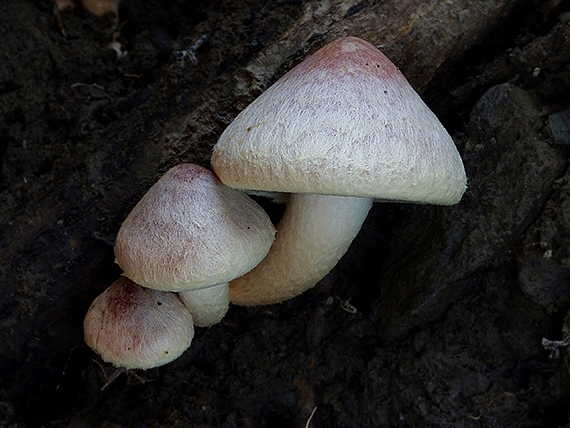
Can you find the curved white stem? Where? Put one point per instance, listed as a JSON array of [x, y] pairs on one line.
[[314, 233], [207, 305]]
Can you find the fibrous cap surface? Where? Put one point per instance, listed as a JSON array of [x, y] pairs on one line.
[[138, 328], [343, 122], [189, 231]]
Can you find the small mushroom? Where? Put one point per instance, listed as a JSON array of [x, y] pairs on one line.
[[191, 234], [338, 131], [138, 328]]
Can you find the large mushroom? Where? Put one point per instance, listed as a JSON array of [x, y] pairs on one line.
[[137, 328], [191, 234], [338, 131]]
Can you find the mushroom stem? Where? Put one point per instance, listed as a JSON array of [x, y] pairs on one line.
[[314, 233], [207, 305]]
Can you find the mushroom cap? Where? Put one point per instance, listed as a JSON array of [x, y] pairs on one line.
[[137, 328], [343, 122], [189, 231]]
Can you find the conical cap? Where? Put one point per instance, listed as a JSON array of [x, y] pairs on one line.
[[343, 122]]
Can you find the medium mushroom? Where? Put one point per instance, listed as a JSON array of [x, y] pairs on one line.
[[191, 234], [137, 328], [338, 131]]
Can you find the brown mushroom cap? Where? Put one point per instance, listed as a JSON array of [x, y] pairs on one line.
[[189, 231], [343, 122], [138, 328]]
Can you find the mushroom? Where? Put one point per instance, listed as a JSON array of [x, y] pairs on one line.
[[191, 234], [338, 131], [137, 328]]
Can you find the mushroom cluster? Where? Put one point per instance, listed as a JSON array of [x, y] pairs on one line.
[[191, 234], [138, 328], [337, 132], [181, 244]]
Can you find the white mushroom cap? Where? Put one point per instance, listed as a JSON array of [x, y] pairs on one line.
[[343, 122], [189, 231], [340, 129], [138, 328]]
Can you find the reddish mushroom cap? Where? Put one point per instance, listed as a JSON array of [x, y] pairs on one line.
[[138, 328], [343, 122], [189, 231]]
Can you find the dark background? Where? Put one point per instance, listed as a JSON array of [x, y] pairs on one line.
[[452, 302]]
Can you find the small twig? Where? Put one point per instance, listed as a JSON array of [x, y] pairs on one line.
[[190, 53], [504, 394], [554, 346], [310, 417], [347, 306], [117, 372], [80, 85], [109, 379], [64, 369], [475, 418]]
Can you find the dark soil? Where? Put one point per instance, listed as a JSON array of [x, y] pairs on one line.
[[434, 318]]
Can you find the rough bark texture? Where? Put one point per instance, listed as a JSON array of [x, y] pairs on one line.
[[451, 302]]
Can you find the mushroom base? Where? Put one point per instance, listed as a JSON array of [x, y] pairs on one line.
[[207, 305]]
